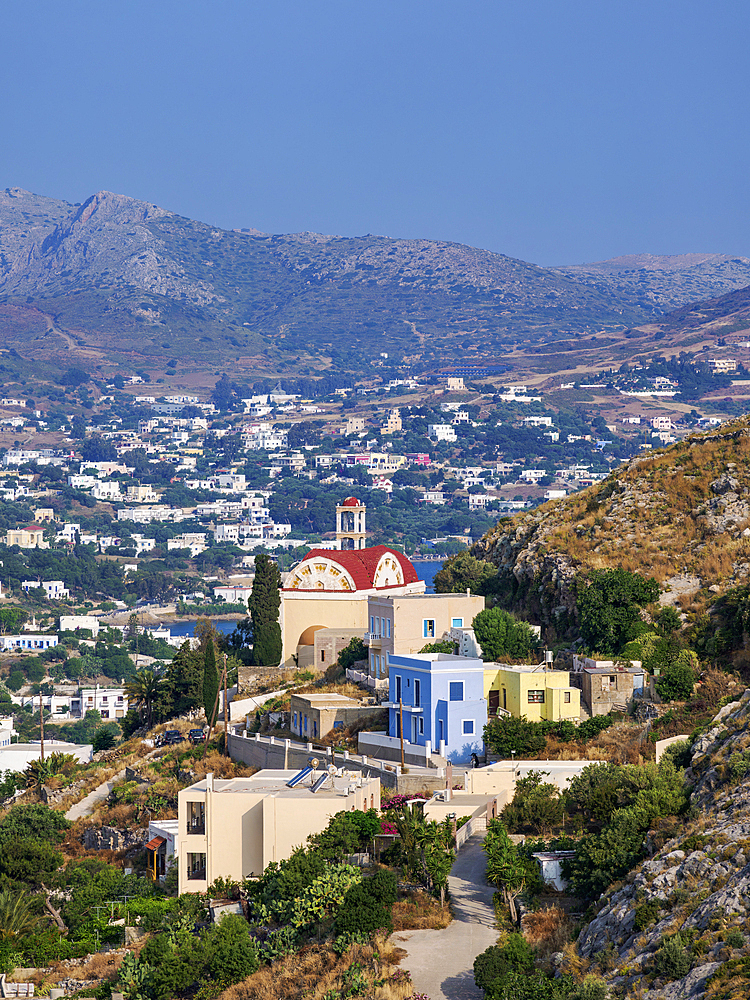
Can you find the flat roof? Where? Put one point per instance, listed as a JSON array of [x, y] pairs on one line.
[[270, 782], [331, 699], [422, 597]]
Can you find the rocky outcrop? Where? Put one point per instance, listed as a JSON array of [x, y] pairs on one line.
[[109, 838], [695, 890], [675, 515]]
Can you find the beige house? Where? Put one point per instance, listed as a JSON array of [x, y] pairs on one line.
[[406, 623], [328, 643], [611, 687], [237, 827], [315, 715], [31, 537]]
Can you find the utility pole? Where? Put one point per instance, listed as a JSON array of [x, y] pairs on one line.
[[401, 729], [226, 745], [41, 723]]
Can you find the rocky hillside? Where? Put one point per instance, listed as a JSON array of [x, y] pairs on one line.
[[118, 265], [681, 515], [116, 280], [679, 926], [666, 281]]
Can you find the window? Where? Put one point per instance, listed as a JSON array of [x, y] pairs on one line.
[[417, 693], [372, 625], [566, 697], [536, 697], [456, 691], [294, 720], [421, 726], [388, 627], [322, 656], [196, 817], [315, 728], [398, 687], [457, 623], [468, 727], [305, 723], [428, 628], [196, 866]]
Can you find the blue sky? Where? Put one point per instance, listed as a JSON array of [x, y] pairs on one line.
[[554, 132]]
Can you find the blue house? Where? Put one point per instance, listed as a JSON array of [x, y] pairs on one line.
[[440, 697]]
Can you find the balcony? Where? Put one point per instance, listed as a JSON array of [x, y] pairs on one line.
[[373, 639]]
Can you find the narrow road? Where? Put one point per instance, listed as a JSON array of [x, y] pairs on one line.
[[441, 962], [86, 806]]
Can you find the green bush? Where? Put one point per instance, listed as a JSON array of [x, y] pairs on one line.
[[676, 682], [367, 906], [734, 938], [672, 959], [232, 953], [589, 729], [500, 635], [646, 914], [514, 955]]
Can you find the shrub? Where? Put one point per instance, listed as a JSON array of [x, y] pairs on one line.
[[672, 959], [367, 906], [500, 635], [232, 953], [734, 938], [676, 682], [646, 914], [514, 955]]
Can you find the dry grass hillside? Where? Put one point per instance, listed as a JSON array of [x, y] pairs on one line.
[[680, 515]]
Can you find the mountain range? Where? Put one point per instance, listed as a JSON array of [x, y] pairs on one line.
[[119, 283]]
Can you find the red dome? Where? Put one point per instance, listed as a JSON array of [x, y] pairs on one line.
[[351, 502]]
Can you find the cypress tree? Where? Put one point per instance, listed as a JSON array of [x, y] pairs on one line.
[[210, 681], [263, 604]]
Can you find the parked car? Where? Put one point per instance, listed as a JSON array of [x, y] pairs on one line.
[[173, 736], [197, 736]]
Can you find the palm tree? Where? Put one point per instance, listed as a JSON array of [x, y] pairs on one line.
[[18, 918], [504, 867], [142, 689], [38, 772]]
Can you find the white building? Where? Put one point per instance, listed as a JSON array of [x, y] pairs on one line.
[[538, 421], [195, 541], [70, 623], [109, 490], [55, 590], [13, 643], [441, 432], [111, 702]]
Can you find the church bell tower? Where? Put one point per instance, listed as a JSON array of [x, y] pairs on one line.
[[350, 524]]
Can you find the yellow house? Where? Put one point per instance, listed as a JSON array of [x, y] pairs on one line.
[[531, 692]]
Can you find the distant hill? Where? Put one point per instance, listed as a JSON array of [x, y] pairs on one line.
[[665, 282], [116, 282]]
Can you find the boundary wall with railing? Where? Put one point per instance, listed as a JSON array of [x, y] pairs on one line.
[[285, 754]]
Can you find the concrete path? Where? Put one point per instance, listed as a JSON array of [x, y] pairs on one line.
[[441, 962], [86, 806]]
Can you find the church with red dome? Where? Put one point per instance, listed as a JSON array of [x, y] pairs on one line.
[[329, 588]]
